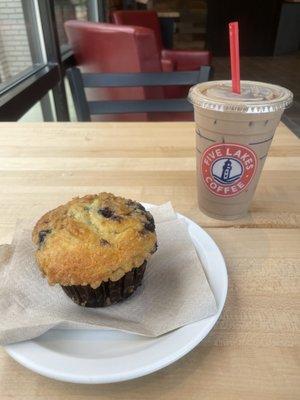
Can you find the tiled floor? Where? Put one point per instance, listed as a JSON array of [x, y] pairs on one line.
[[282, 70]]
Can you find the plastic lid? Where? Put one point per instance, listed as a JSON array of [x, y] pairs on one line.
[[255, 97]]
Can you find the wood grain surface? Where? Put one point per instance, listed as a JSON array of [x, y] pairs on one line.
[[253, 352]]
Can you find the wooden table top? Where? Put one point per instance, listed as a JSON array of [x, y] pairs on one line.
[[252, 353]]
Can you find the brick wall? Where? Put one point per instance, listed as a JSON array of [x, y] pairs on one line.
[[14, 48], [63, 12]]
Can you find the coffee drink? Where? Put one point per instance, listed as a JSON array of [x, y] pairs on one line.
[[233, 136]]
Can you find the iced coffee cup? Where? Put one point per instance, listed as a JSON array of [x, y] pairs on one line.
[[233, 136]]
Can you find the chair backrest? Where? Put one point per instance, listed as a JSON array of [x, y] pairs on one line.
[[84, 108], [109, 48], [145, 18]]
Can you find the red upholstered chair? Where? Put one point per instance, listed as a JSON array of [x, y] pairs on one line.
[[178, 60], [115, 49]]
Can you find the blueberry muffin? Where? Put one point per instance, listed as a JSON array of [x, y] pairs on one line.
[[96, 247]]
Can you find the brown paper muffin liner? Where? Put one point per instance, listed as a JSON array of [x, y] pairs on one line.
[[108, 292]]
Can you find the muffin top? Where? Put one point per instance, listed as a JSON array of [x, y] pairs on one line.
[[92, 239]]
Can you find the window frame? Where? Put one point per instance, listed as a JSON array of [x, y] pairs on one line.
[[24, 90], [16, 100]]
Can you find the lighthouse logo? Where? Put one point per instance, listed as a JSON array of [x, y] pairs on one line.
[[228, 168]]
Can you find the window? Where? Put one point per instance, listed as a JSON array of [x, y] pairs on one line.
[[29, 67], [66, 10], [43, 110], [34, 56], [17, 53], [35, 114]]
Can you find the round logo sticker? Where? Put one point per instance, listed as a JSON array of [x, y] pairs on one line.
[[228, 168]]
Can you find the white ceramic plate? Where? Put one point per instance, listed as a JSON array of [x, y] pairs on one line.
[[105, 356]]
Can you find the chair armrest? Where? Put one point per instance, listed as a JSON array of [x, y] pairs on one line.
[[186, 60], [167, 65]]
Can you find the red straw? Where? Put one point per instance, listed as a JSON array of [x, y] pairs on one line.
[[234, 56]]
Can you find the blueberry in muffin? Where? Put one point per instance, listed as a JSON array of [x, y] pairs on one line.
[[96, 247]]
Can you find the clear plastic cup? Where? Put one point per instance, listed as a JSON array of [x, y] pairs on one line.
[[233, 136]]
